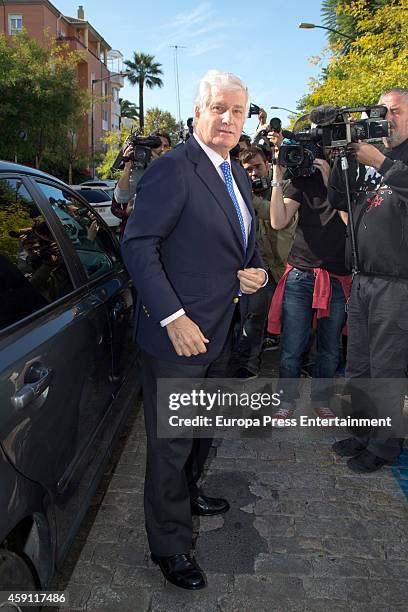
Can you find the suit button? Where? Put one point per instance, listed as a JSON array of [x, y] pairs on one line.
[[235, 300]]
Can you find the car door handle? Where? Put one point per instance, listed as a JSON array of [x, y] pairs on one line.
[[118, 310], [30, 391]]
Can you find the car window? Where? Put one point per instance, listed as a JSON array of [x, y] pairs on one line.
[[91, 239], [33, 273], [94, 196], [109, 191]]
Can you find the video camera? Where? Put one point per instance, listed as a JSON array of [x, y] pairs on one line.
[[334, 130], [141, 154]]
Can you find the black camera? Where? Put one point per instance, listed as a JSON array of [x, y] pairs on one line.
[[261, 183], [261, 139], [298, 158], [253, 110], [335, 129], [141, 154]]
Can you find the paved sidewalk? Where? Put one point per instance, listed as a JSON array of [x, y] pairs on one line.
[[303, 533]]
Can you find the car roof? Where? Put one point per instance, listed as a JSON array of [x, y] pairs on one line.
[[6, 166], [99, 182]]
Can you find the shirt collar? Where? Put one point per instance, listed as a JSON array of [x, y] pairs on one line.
[[215, 158]]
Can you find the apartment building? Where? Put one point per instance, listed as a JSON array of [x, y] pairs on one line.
[[42, 20]]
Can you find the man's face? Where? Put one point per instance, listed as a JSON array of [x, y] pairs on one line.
[[397, 115], [220, 124], [256, 167], [243, 145], [164, 147]]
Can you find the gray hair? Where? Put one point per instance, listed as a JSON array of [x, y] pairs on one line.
[[225, 81], [403, 91]]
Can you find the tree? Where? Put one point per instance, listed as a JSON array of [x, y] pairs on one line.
[[336, 17], [114, 142], [41, 98], [376, 61], [144, 71], [128, 109], [158, 120]]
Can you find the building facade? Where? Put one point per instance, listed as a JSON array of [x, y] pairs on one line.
[[42, 20]]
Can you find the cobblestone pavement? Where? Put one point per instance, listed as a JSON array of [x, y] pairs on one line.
[[303, 533]]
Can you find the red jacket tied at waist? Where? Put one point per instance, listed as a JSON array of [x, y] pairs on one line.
[[322, 293]]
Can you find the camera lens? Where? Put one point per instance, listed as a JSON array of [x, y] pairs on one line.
[[294, 156]]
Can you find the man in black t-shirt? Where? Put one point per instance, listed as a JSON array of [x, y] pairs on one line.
[[315, 282]]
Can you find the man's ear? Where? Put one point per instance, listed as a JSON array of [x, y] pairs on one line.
[[197, 112]]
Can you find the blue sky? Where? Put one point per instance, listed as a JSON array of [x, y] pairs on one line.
[[259, 41]]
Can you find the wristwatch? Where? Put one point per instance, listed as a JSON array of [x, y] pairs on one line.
[[276, 183]]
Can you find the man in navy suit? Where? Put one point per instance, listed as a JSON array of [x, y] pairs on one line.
[[189, 246]]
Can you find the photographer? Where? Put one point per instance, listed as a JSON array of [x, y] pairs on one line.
[[315, 282], [274, 247], [378, 316], [125, 189]]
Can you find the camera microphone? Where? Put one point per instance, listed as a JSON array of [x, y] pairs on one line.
[[324, 115]]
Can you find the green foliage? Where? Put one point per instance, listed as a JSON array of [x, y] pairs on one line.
[[144, 71], [40, 96], [14, 216], [128, 109], [336, 17], [114, 141], [158, 120], [377, 59]]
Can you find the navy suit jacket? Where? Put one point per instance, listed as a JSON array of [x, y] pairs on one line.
[[183, 246]]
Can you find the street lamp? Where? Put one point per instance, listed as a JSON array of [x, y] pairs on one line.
[[93, 81], [283, 108], [310, 26]]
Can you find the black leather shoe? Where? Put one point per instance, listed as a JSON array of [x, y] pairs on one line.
[[182, 571], [348, 447], [368, 462], [208, 506]]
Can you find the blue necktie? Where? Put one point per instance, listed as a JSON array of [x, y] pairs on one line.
[[226, 170]]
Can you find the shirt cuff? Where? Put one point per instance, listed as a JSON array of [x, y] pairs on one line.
[[172, 317], [267, 277]]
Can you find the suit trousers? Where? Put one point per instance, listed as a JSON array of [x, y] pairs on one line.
[[174, 466]]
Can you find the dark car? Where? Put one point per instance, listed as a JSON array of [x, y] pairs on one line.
[[67, 367]]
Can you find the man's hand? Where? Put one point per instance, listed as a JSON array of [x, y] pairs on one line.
[[324, 168], [251, 279], [92, 230], [276, 139], [186, 337], [367, 154], [262, 116], [129, 207]]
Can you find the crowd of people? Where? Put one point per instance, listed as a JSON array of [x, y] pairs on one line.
[[216, 241]]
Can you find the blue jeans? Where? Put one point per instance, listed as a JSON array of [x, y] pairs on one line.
[[297, 316]]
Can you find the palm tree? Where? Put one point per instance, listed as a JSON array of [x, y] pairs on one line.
[[144, 71], [128, 109], [335, 18]]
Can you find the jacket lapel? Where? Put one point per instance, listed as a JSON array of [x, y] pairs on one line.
[[212, 180]]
